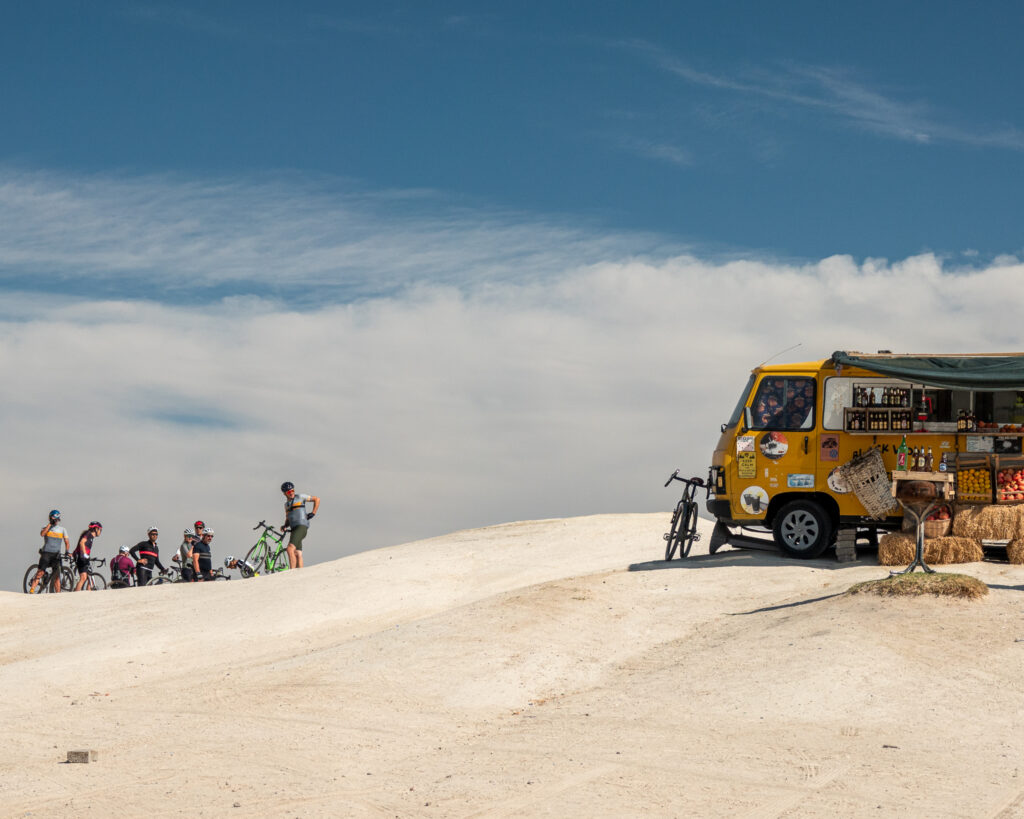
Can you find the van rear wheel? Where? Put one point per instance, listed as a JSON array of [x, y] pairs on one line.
[[802, 529]]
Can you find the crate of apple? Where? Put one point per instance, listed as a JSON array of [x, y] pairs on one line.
[[942, 513], [1010, 482]]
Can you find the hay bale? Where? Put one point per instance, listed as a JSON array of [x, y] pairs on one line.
[[989, 522], [1015, 551], [897, 549]]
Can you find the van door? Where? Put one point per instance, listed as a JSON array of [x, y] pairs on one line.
[[779, 452]]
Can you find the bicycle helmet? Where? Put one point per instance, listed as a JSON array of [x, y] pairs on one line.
[[199, 524], [152, 529], [95, 524], [228, 561], [190, 533], [207, 532], [54, 515], [287, 485], [124, 549]]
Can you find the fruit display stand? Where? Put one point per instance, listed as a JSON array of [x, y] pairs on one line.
[[1009, 472], [919, 493]]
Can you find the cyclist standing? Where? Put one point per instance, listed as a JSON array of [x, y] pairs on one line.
[[49, 556], [297, 520], [202, 564], [83, 550], [146, 553], [184, 555]]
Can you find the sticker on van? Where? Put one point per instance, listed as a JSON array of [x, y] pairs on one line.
[[754, 500], [836, 483], [774, 445], [745, 443], [800, 481], [746, 465]]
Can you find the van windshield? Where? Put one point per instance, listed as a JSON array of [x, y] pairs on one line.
[[737, 413]]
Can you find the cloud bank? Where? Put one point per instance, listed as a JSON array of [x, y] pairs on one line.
[[507, 369]]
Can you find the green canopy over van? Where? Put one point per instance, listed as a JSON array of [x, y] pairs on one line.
[[999, 371]]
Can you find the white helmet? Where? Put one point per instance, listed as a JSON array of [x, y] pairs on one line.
[[124, 549], [207, 531], [152, 529], [190, 533], [228, 561]]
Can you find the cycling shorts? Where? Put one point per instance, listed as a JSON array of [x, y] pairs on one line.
[[83, 563], [297, 536], [49, 560]]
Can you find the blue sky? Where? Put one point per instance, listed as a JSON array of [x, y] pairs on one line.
[[448, 266], [800, 130]]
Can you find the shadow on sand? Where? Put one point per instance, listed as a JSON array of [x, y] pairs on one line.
[[748, 557]]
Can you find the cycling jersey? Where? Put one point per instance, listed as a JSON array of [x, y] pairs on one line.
[[202, 551], [295, 508], [54, 539], [148, 550], [84, 547]]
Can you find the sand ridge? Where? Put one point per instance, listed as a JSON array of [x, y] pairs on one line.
[[537, 668]]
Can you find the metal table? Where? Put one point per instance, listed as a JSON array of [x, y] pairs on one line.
[[919, 509]]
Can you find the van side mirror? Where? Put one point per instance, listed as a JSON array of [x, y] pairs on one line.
[[748, 419]]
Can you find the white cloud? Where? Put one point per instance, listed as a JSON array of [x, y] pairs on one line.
[[465, 397]]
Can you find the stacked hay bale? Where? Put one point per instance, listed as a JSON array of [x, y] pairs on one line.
[[898, 548], [993, 523]]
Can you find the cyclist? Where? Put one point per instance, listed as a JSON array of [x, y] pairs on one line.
[[122, 569], [202, 564], [49, 556], [146, 553], [184, 555], [199, 526], [297, 520], [83, 550]]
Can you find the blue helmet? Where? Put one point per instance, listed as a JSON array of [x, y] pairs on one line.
[[54, 515]]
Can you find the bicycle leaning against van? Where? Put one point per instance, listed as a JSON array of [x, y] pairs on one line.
[[683, 530]]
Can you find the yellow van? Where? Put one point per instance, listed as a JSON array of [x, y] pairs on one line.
[[775, 466]]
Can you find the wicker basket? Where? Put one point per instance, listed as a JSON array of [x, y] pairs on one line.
[[936, 528], [867, 477]]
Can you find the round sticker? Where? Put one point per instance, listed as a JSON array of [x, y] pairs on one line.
[[836, 482], [773, 445], [754, 500]]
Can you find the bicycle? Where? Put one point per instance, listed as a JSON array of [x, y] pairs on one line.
[[172, 574], [49, 580], [264, 557], [94, 580], [683, 530]]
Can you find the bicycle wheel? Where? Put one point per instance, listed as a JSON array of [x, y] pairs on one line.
[[68, 580], [96, 582], [258, 554], [671, 539], [30, 575], [688, 531]]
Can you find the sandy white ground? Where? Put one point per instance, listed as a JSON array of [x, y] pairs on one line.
[[540, 668]]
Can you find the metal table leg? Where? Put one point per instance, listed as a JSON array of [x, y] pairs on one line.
[[918, 516]]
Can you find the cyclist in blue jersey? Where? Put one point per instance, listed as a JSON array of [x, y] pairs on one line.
[[49, 556], [297, 521], [202, 563]]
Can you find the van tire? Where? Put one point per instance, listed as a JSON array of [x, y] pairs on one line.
[[802, 529]]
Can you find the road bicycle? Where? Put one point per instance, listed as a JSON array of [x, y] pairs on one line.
[[270, 552], [94, 581], [683, 530], [50, 578], [172, 574]]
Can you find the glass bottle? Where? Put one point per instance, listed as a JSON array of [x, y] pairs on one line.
[[902, 454]]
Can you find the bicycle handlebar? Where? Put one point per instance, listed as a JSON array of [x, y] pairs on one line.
[[693, 481], [263, 523]]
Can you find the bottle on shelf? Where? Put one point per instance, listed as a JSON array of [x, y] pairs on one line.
[[944, 463], [902, 455], [929, 461]]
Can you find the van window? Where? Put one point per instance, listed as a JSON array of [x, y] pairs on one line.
[[784, 402]]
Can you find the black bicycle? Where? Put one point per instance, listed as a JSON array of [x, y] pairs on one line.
[[51, 577], [683, 531]]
